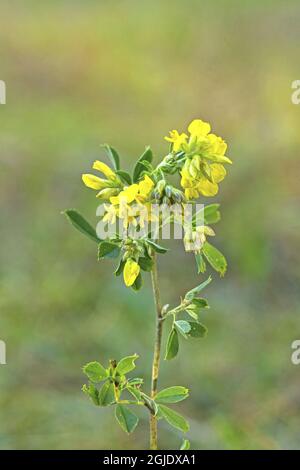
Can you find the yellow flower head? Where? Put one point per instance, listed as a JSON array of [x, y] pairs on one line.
[[177, 139], [94, 182], [130, 272]]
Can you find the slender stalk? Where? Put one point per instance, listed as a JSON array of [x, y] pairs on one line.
[[157, 351]]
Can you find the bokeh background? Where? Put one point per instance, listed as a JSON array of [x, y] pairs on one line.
[[125, 72]]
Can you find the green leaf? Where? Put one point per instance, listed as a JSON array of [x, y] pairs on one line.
[[212, 214], [108, 250], [107, 394], [172, 345], [120, 267], [124, 176], [145, 263], [185, 445], [215, 258], [92, 392], [139, 167], [174, 419], [150, 402], [81, 224], [138, 283], [172, 395], [191, 294], [183, 327], [95, 371], [195, 307], [197, 330], [126, 419], [134, 392], [126, 364], [136, 381], [113, 156], [201, 266], [156, 247]]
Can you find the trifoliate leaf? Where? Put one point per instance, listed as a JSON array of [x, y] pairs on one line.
[[126, 418], [172, 395]]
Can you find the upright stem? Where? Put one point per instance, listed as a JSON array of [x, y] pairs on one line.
[[157, 350]]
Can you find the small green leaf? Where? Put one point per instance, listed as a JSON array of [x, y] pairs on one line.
[[126, 419], [156, 247], [185, 445], [107, 394], [138, 283], [172, 395], [112, 155], [124, 176], [150, 402], [183, 327], [195, 307], [79, 222], [126, 364], [134, 392], [199, 303], [92, 392], [95, 371], [108, 250], [136, 381], [197, 330], [212, 214], [194, 292], [215, 258], [174, 419], [172, 345], [201, 266], [120, 267], [145, 263], [139, 167]]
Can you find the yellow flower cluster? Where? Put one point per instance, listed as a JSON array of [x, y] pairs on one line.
[[205, 154]]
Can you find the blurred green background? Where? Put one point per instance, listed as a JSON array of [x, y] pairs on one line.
[[126, 72]]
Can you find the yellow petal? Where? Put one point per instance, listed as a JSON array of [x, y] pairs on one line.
[[131, 272], [218, 172], [108, 172], [145, 186], [107, 193], [191, 193], [207, 188], [199, 128], [177, 139], [129, 193], [94, 182]]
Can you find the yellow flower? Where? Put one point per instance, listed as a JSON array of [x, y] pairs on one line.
[[177, 139], [130, 272], [207, 188], [218, 172], [217, 145], [199, 129], [111, 214], [103, 168], [135, 192], [94, 182]]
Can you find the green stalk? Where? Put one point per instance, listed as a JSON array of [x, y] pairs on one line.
[[157, 351]]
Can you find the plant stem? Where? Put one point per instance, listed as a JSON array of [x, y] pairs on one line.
[[157, 350]]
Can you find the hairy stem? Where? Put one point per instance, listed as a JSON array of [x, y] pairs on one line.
[[157, 351]]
